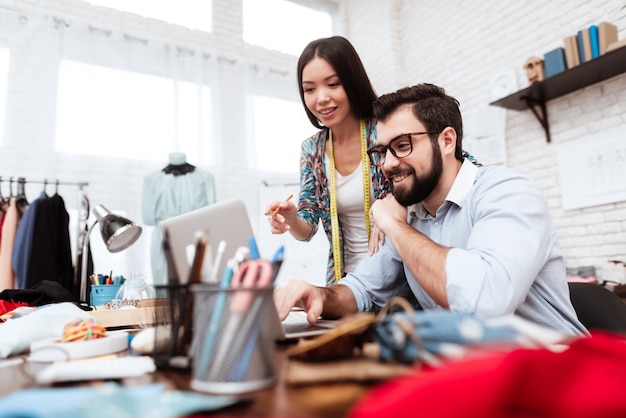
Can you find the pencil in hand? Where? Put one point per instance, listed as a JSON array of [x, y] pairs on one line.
[[278, 208]]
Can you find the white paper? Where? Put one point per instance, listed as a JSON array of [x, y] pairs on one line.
[[592, 170]]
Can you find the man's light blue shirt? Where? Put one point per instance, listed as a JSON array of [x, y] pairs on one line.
[[504, 257]]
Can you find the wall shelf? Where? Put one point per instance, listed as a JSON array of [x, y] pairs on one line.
[[535, 96]]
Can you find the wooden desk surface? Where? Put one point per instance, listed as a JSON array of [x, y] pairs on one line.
[[280, 400]]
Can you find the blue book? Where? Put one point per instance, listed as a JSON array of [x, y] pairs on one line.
[[554, 62], [581, 46], [595, 41]]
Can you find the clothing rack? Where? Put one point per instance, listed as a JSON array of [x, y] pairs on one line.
[[83, 205], [79, 184]]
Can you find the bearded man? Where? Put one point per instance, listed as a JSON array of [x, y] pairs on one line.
[[465, 238]]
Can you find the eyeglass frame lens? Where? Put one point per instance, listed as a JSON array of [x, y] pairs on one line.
[[378, 154]]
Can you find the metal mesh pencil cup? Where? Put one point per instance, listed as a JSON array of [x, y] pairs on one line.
[[170, 326], [233, 346]]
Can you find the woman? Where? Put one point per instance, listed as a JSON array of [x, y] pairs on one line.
[[337, 181]]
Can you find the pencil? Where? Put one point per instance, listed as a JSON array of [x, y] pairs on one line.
[[278, 208]]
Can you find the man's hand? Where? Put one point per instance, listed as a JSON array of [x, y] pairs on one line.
[[331, 302], [387, 213], [301, 294]]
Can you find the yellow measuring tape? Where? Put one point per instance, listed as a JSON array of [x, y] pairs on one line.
[[334, 218]]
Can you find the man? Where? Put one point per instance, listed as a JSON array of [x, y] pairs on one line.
[[464, 238]]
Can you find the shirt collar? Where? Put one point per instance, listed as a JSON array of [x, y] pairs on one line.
[[463, 183], [458, 192]]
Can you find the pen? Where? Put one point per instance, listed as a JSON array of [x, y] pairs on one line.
[[221, 247], [172, 273], [277, 262], [279, 254], [254, 250], [278, 208], [194, 277], [198, 257]]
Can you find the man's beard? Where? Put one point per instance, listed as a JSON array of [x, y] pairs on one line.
[[422, 186]]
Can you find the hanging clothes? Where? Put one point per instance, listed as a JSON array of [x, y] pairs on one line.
[[1, 222], [20, 199], [3, 211], [51, 254], [9, 229], [176, 189], [24, 241]]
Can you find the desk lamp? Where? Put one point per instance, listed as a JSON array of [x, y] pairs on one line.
[[118, 233]]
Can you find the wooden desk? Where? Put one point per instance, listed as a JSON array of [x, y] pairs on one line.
[[280, 400]]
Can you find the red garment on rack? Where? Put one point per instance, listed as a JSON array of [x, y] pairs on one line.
[[9, 228], [586, 380]]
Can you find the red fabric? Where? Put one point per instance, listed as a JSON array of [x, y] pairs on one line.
[[586, 380], [7, 306]]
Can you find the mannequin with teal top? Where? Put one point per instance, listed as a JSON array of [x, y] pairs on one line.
[[176, 189]]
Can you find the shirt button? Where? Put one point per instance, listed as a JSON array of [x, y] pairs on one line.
[[437, 224]]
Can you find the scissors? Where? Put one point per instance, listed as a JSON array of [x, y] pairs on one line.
[[251, 274], [244, 321]]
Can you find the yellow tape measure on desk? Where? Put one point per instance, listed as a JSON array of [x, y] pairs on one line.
[[334, 218]]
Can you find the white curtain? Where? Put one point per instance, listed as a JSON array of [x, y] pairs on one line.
[[39, 43]]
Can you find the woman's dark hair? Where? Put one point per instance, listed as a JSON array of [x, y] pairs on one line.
[[342, 56], [432, 107]]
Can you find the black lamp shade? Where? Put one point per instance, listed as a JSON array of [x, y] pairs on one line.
[[118, 233]]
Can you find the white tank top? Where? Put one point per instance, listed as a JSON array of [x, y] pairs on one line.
[[350, 198]]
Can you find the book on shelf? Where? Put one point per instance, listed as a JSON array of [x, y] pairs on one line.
[[607, 34], [580, 47], [586, 44], [594, 41], [616, 45], [571, 51], [554, 62]]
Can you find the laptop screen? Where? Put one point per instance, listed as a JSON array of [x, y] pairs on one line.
[[222, 221]]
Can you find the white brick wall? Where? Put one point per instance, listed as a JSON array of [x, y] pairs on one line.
[[458, 45], [462, 45]]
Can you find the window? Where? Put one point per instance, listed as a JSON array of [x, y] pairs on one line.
[[109, 112], [193, 14], [283, 25], [278, 141], [4, 74]]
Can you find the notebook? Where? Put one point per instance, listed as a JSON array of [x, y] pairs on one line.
[[228, 220]]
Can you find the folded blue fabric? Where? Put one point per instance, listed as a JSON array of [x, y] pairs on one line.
[[408, 337], [108, 400]]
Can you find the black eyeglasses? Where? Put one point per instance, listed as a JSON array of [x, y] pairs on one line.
[[401, 146]]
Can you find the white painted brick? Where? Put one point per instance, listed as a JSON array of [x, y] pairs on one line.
[[459, 45]]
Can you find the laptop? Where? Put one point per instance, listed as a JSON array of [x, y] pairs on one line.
[[222, 221], [296, 325], [228, 221]]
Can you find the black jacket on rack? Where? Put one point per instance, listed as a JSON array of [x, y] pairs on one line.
[[51, 254]]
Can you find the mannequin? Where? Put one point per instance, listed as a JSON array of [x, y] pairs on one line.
[[176, 189], [178, 164]]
